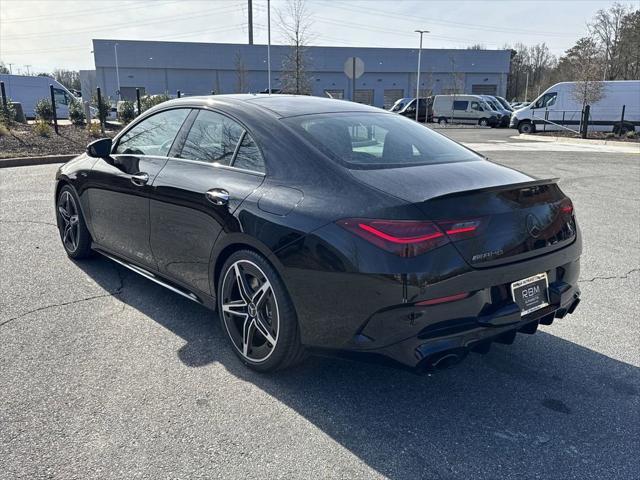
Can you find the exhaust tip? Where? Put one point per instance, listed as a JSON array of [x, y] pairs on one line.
[[443, 360]]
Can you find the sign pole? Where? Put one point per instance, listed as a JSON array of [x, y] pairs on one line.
[[353, 80]]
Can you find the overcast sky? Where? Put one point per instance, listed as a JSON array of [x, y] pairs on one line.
[[46, 34]]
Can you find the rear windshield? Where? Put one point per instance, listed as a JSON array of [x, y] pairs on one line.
[[377, 140]]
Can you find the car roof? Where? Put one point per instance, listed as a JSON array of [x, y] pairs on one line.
[[280, 105]]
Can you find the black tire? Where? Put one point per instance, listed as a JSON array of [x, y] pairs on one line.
[[442, 121], [526, 127], [483, 122], [258, 353], [74, 233]]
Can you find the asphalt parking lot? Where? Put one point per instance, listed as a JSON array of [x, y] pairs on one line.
[[105, 375]]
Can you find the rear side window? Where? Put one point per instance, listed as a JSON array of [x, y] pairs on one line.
[[153, 135], [377, 140], [248, 156], [460, 105], [213, 138]]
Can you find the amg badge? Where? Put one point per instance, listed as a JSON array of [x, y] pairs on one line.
[[487, 255]]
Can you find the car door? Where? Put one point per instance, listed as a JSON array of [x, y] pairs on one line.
[[119, 186], [195, 195]]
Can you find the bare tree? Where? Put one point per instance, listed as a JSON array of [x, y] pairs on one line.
[[241, 74], [294, 22], [606, 28], [68, 78], [628, 50], [584, 59], [3, 68]]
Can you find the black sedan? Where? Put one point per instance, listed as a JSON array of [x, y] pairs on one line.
[[319, 225]]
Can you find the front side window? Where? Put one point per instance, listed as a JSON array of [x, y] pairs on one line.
[[476, 106], [213, 139], [372, 140], [60, 96], [546, 100], [153, 135], [460, 105]]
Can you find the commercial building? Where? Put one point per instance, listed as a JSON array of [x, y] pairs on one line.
[[200, 68]]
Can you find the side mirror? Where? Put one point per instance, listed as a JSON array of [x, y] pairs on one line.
[[100, 148]]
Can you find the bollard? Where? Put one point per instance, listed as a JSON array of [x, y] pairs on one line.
[[87, 113], [100, 110], [213, 92], [138, 100], [585, 121], [53, 109], [4, 95], [624, 107], [178, 93]]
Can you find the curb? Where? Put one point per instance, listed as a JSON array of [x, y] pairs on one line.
[[583, 141], [29, 161]]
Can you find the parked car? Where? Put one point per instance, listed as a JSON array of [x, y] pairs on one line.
[[559, 107], [407, 108], [469, 109], [503, 114], [504, 103], [28, 90], [412, 248]]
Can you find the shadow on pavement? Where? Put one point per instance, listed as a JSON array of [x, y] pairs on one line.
[[541, 408]]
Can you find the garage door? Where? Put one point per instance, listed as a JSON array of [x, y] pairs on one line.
[[484, 89], [364, 96], [391, 95]]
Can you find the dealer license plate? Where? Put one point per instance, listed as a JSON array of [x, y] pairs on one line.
[[531, 293]]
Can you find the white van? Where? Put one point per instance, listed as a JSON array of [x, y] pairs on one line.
[[28, 90], [470, 109], [557, 108]]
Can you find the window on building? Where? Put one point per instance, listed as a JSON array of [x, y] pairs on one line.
[[460, 105], [364, 96], [484, 89], [213, 138], [333, 93], [391, 96], [154, 135]]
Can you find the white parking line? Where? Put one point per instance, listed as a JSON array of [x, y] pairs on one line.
[[552, 147]]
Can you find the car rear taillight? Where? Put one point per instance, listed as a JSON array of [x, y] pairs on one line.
[[566, 207], [409, 238], [406, 238], [461, 229]]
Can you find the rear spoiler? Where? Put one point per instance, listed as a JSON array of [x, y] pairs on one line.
[[498, 188]]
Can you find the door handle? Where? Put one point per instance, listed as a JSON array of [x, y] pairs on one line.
[[140, 179], [217, 196]]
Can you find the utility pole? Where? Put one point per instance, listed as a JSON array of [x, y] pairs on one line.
[[269, 44], [250, 11], [115, 50], [421, 32], [526, 88], [10, 69], [27, 67]]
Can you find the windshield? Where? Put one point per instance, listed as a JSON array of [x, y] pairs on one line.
[[373, 140], [504, 103]]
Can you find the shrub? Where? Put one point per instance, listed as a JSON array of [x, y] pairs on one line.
[[44, 111], [103, 108], [126, 111], [3, 130], [149, 101], [94, 130], [76, 113], [8, 113], [631, 134], [42, 128]]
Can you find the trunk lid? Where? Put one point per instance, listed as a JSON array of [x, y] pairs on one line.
[[517, 217]]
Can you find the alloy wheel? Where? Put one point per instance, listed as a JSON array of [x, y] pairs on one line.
[[68, 213], [249, 310]]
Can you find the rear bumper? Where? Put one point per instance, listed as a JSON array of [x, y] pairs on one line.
[[442, 335], [376, 314]]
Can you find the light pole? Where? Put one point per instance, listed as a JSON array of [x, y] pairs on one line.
[[421, 32], [115, 50], [269, 44]]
